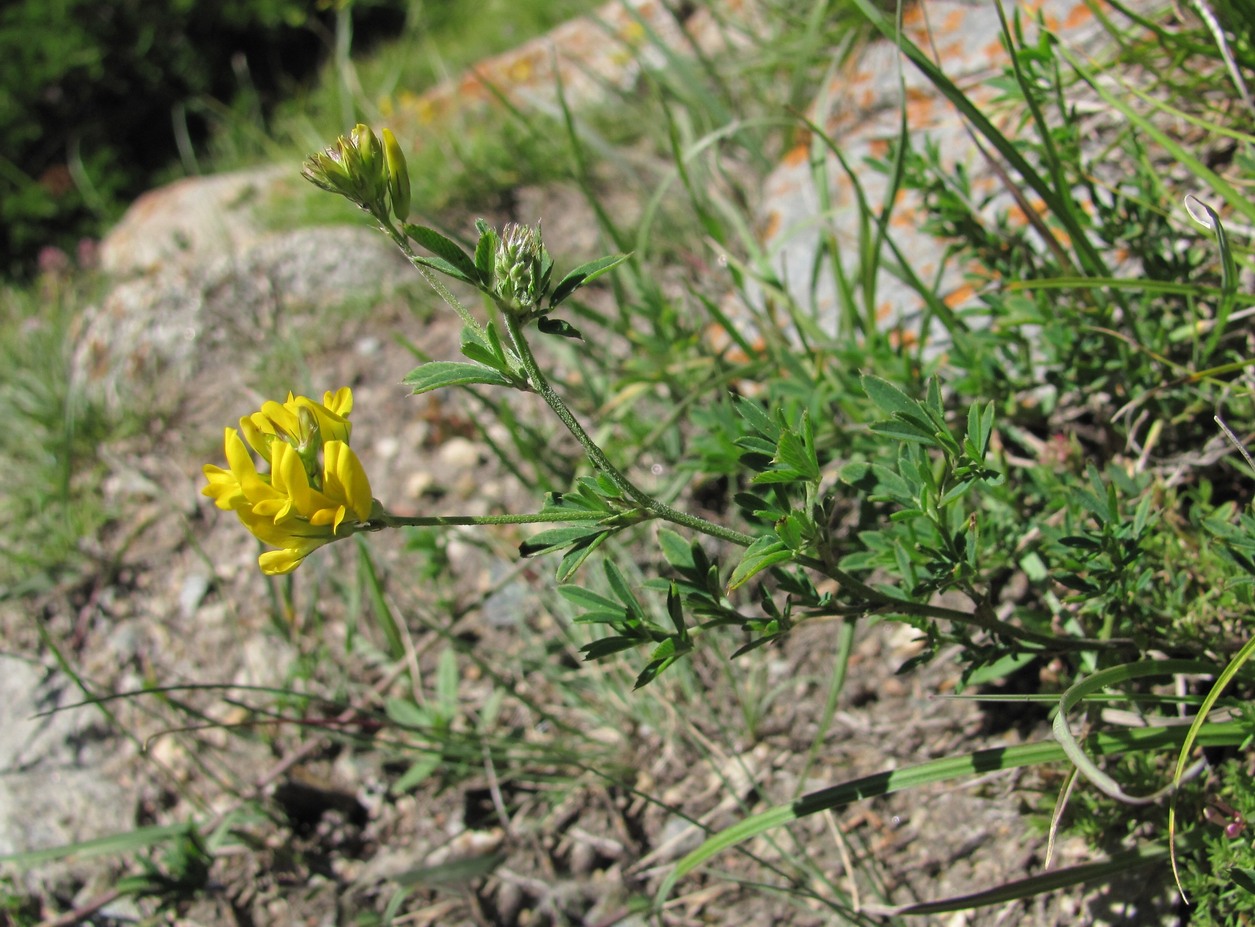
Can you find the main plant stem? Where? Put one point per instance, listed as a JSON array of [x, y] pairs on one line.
[[380, 519], [643, 500]]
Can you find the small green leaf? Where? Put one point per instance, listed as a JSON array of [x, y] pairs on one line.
[[550, 326], [441, 374], [595, 650], [794, 452], [888, 397], [795, 531], [620, 588], [758, 419], [913, 432], [494, 344], [555, 539], [580, 551], [677, 551], [586, 598], [879, 481], [675, 608], [666, 653], [476, 348], [485, 251], [765, 552], [448, 251], [584, 274]]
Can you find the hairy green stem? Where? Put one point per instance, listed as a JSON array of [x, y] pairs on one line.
[[643, 500], [442, 291], [380, 520]]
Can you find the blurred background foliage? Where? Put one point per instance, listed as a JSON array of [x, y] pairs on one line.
[[102, 99]]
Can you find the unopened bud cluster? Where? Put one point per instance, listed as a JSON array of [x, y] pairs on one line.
[[518, 278], [367, 171]]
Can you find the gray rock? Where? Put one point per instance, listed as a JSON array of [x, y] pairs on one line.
[[58, 782], [154, 337], [860, 109], [186, 220]]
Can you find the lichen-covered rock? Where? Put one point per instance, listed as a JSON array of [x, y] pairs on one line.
[[183, 222], [154, 336], [861, 109]]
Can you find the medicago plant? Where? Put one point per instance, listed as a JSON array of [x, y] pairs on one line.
[[856, 494]]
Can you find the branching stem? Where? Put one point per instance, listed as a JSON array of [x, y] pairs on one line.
[[643, 500]]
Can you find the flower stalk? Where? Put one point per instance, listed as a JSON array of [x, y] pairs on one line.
[[645, 502]]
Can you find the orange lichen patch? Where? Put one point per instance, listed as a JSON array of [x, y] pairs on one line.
[[718, 338], [977, 271], [959, 296], [798, 154], [904, 218], [913, 17], [473, 86], [771, 225], [920, 107], [994, 51], [884, 310], [953, 22], [985, 184], [951, 52], [877, 147], [1078, 16], [900, 338]]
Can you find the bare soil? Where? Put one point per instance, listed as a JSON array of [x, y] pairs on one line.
[[564, 796]]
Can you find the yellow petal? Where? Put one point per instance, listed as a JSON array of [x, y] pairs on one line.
[[346, 480], [331, 425], [290, 478], [340, 402], [278, 562]]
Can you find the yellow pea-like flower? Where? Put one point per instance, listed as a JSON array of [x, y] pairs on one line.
[[316, 489]]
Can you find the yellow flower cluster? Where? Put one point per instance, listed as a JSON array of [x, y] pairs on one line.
[[316, 489]]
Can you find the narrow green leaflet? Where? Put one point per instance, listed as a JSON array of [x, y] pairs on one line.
[[794, 457], [888, 398], [585, 273], [578, 552], [665, 654], [757, 419], [485, 251], [439, 374], [766, 552], [882, 483], [549, 326], [457, 262]]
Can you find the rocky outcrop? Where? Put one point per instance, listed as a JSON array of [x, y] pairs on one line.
[[812, 202]]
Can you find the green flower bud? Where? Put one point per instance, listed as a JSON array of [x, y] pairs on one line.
[[354, 168], [374, 173], [326, 169], [398, 176], [519, 267]]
